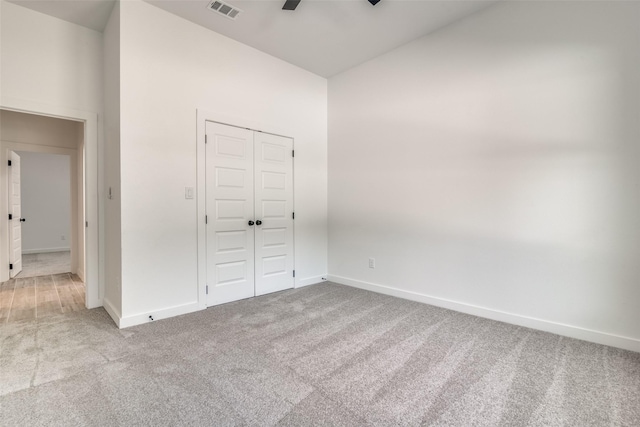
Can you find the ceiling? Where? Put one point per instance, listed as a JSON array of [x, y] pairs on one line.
[[325, 37], [92, 14]]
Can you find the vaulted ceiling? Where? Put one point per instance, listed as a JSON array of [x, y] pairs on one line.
[[325, 37]]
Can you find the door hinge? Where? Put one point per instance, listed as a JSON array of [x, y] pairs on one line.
[[294, 273], [10, 266], [206, 219], [86, 224], [9, 162], [293, 215], [10, 216], [207, 289], [205, 139], [293, 153]]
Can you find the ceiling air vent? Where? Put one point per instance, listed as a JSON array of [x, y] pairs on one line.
[[225, 9]]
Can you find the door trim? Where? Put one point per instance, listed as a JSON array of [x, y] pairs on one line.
[[203, 116], [94, 233]]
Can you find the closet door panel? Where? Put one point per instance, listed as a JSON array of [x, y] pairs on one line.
[[274, 209], [230, 207]]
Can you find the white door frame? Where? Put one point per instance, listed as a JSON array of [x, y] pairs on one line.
[[94, 231], [203, 116]]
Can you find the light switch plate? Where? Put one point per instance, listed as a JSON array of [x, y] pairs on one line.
[[188, 192]]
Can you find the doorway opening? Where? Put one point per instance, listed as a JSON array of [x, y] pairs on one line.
[[46, 189], [48, 231]]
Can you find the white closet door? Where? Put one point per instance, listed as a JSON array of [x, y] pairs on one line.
[[230, 207], [274, 210], [15, 210]]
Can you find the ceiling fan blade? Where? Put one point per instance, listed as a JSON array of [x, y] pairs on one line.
[[292, 4], [374, 2]]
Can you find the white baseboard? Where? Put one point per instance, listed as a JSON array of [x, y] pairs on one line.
[[515, 319], [139, 319], [110, 309], [44, 250], [96, 303], [310, 281]]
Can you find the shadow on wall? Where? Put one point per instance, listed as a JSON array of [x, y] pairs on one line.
[[495, 163]]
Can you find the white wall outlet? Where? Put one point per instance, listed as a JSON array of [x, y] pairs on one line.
[[372, 263], [188, 192]]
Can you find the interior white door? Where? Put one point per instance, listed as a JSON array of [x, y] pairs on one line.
[[230, 207], [274, 213], [15, 212], [249, 208]]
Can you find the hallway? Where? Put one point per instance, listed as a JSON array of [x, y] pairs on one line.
[[31, 298], [44, 264]]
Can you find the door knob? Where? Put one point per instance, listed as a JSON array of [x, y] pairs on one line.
[[250, 222], [258, 222], [23, 219]]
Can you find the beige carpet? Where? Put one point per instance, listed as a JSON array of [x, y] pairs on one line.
[[322, 355]]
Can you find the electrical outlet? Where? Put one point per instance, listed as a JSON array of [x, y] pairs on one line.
[[63, 238], [372, 263]]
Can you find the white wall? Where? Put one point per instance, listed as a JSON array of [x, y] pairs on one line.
[[80, 215], [53, 67], [46, 201], [169, 68], [111, 155], [493, 167], [50, 61]]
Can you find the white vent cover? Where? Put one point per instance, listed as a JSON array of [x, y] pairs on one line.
[[225, 9]]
